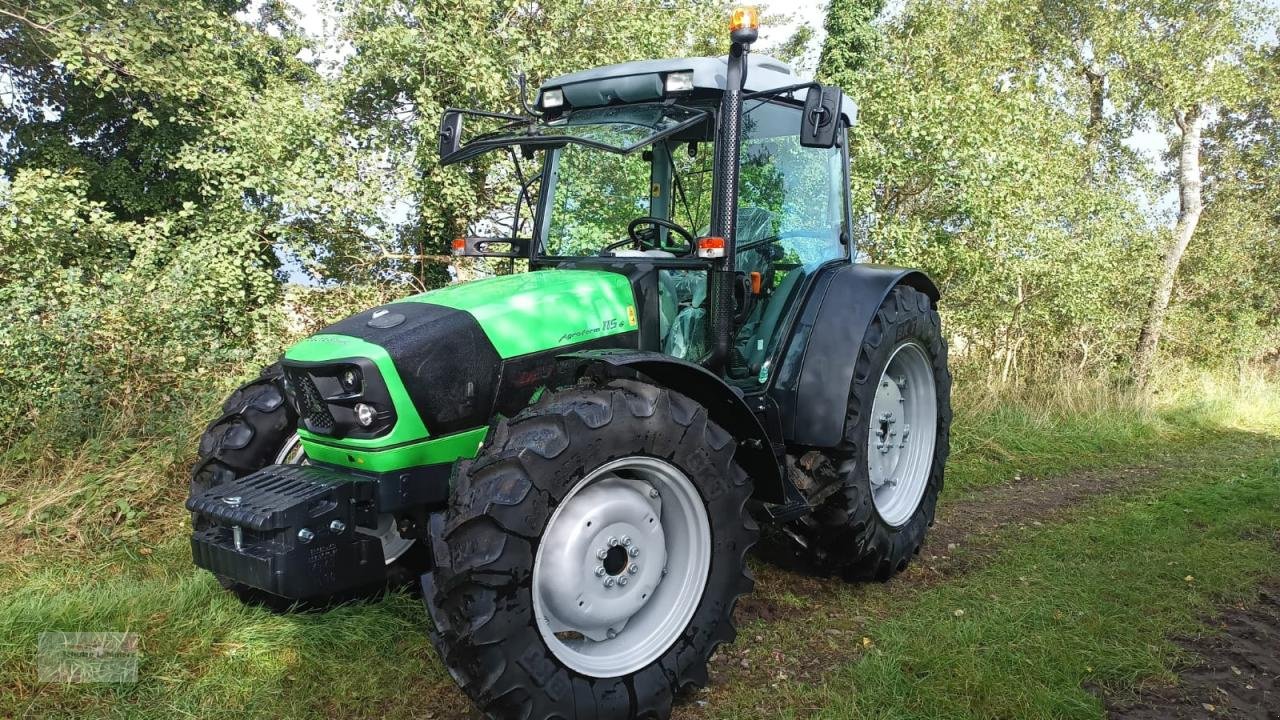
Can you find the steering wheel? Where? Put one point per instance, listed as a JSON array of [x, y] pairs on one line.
[[634, 237]]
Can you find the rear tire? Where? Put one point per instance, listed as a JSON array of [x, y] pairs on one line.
[[511, 651], [853, 532], [258, 428]]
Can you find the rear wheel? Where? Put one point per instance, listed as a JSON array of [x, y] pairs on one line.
[[872, 518], [258, 428], [592, 555]]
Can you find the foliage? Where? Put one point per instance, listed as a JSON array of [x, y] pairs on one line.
[[993, 152], [167, 167], [853, 41], [1228, 303], [160, 159], [411, 60]]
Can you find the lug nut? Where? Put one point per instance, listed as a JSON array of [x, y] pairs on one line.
[[337, 526], [306, 535], [633, 569], [602, 554], [626, 540], [635, 551], [608, 582], [622, 580], [613, 542], [653, 493], [600, 571]]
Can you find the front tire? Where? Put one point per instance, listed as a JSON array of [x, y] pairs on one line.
[[535, 616], [889, 466]]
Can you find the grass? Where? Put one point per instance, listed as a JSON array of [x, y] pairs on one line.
[[1060, 613], [1086, 605], [72, 557], [1005, 434]]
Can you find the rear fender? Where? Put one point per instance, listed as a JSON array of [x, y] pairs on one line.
[[811, 385], [724, 405]]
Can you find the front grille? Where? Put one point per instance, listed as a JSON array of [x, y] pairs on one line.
[[311, 404]]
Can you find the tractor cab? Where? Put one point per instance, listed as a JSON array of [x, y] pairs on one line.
[[632, 166]]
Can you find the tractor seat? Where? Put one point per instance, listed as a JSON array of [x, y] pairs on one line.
[[760, 341]]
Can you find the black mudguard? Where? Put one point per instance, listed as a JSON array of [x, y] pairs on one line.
[[811, 385], [724, 404]]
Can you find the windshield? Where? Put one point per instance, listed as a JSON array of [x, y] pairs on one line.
[[790, 206]]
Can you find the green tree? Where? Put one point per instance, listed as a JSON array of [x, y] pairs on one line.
[[156, 155], [852, 40], [967, 163], [1227, 304], [411, 60], [1188, 56]]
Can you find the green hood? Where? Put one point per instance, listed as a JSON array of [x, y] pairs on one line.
[[536, 311], [452, 358]]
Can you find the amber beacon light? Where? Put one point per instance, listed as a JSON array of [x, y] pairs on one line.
[[744, 24]]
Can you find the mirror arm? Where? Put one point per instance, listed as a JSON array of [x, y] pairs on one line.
[[789, 89], [522, 84]]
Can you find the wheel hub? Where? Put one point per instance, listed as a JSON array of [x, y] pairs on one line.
[[605, 551], [621, 566], [898, 461]]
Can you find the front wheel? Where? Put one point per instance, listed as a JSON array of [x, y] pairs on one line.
[[592, 556], [871, 520]]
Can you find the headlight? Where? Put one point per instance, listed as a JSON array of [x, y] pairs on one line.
[[679, 82], [365, 414], [350, 379], [552, 99], [344, 398]]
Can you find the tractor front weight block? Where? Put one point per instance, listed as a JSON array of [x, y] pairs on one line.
[[290, 530]]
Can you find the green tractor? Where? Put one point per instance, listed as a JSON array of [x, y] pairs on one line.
[[573, 462]]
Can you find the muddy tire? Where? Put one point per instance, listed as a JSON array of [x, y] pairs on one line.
[[257, 428], [867, 528], [520, 587]]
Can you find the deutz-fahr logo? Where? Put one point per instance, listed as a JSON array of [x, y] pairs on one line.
[[604, 326]]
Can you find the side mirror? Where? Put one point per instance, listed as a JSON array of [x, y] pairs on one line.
[[450, 132], [821, 117]]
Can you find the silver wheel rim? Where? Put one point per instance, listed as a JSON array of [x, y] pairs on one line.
[[904, 419], [621, 566], [393, 545]]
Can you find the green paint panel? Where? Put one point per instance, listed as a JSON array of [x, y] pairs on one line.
[[443, 449], [535, 311], [336, 348]]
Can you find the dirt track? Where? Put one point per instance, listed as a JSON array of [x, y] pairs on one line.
[[1235, 673]]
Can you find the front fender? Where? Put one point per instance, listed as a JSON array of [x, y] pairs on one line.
[[811, 385], [723, 403]]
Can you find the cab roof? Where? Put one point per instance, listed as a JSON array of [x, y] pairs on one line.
[[633, 81]]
